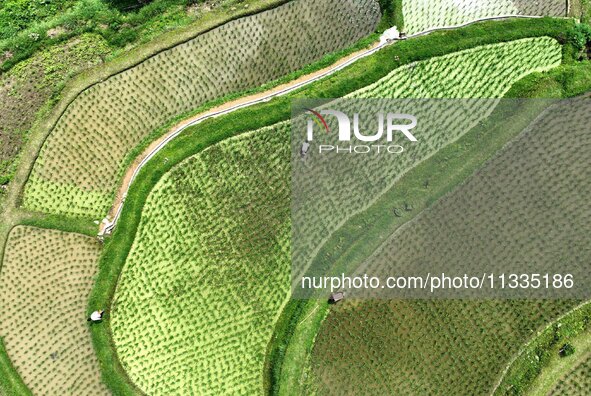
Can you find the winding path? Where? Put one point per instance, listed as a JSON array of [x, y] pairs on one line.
[[110, 221]]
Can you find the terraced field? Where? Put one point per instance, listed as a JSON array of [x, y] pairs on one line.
[[198, 298], [576, 383], [45, 280], [485, 72], [80, 164], [421, 15], [524, 204], [196, 316]]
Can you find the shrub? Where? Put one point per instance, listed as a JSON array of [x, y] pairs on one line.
[[567, 350]]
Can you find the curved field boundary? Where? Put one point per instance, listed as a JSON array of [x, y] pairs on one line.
[[577, 319], [199, 137], [109, 223], [292, 344], [117, 115], [82, 82]]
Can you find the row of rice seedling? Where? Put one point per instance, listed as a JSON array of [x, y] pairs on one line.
[[525, 211], [484, 72], [45, 280], [208, 271], [421, 15], [409, 347], [78, 167], [575, 383]]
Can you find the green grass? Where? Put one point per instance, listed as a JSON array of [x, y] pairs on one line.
[[213, 131], [10, 381], [535, 363], [27, 27]]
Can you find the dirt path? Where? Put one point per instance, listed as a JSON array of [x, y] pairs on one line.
[[110, 221]]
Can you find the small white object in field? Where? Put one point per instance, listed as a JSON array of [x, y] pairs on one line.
[[389, 35], [96, 316]]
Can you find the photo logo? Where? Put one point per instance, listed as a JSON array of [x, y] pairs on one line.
[[389, 126]]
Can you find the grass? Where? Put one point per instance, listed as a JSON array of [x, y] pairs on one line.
[[213, 131], [65, 91], [535, 356], [10, 381], [68, 90]]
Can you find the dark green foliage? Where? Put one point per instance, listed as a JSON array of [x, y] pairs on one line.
[[580, 36], [391, 14], [24, 25], [567, 350]]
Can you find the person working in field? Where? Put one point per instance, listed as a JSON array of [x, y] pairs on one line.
[[96, 316]]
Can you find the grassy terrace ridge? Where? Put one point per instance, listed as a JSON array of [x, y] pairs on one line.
[[538, 364], [447, 169], [212, 131], [218, 63], [10, 215]]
